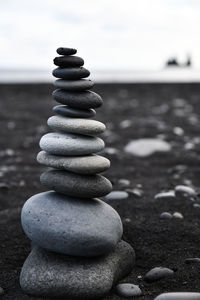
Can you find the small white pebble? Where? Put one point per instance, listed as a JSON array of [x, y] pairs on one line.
[[177, 215]]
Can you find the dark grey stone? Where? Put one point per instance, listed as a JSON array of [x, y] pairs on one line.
[[76, 185], [70, 144], [128, 290], [178, 296], [74, 85], [78, 125], [67, 111], [82, 100], [71, 73], [158, 273], [192, 260], [166, 215], [66, 51], [47, 274], [73, 226], [88, 164], [68, 61]]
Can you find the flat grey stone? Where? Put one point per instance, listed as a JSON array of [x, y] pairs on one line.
[[178, 296], [66, 51], [71, 73], [78, 125], [90, 164], [128, 290], [67, 111], [82, 100], [48, 274], [74, 85], [76, 185], [192, 260], [73, 226], [158, 273], [184, 191], [68, 61], [117, 195], [70, 144], [165, 195]]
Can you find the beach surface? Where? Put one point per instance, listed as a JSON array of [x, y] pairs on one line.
[[167, 112]]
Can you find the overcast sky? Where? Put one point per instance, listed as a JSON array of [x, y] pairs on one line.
[[109, 34]]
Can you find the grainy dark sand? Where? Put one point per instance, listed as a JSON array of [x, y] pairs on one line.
[[157, 242]]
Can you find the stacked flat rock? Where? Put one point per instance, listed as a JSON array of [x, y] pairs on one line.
[[77, 247]]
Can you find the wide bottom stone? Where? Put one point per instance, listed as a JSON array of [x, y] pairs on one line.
[[48, 274]]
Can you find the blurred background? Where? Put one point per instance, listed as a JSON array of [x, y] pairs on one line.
[[120, 40]]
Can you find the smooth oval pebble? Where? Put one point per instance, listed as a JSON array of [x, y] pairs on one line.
[[70, 144], [165, 196], [117, 195], [68, 61], [74, 85], [185, 191], [128, 290], [83, 100], [166, 215], [76, 185], [67, 111], [177, 215], [90, 164], [66, 51], [71, 226], [178, 296], [79, 126], [71, 73], [158, 273]]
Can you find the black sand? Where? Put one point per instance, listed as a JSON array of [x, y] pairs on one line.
[[157, 242]]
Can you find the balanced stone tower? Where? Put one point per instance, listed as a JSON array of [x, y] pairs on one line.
[[77, 251]]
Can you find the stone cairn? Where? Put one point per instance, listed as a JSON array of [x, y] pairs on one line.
[[77, 251]]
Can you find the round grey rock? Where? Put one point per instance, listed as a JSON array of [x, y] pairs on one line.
[[66, 51], [67, 111], [78, 125], [76, 185], [178, 296], [128, 290], [71, 73], [70, 144], [71, 226], [47, 274], [82, 100], [90, 164], [68, 61], [74, 85], [158, 273]]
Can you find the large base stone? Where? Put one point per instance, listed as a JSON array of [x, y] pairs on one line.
[[48, 274]]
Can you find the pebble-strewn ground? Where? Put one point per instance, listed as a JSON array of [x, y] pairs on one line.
[[169, 112]]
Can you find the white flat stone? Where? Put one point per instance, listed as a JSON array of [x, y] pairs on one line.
[[178, 296]]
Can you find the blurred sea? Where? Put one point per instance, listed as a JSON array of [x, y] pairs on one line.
[[167, 75]]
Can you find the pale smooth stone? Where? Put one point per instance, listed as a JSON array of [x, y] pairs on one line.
[[184, 191], [71, 112], [56, 275], [70, 144], [74, 85], [128, 290], [178, 296], [76, 185], [165, 195], [72, 226], [158, 273], [117, 195], [91, 164], [78, 125]]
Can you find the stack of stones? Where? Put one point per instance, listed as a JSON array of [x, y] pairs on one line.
[[77, 248]]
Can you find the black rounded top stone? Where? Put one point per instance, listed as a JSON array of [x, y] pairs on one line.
[[66, 51], [68, 61], [71, 73]]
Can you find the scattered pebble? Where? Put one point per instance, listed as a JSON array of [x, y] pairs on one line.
[[178, 296], [165, 215], [110, 150], [184, 191], [147, 146], [11, 125], [177, 215], [158, 273], [124, 182], [117, 195], [1, 291], [192, 260], [136, 192], [165, 195], [3, 186], [196, 205], [125, 124], [128, 290], [178, 131]]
